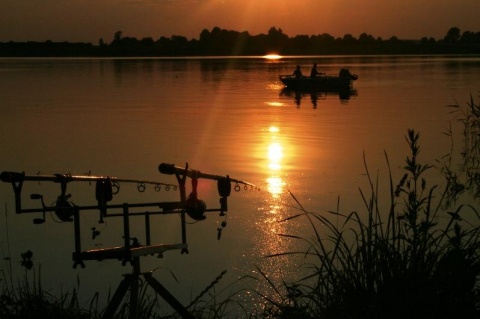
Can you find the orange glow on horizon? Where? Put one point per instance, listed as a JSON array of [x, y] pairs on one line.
[[272, 56]]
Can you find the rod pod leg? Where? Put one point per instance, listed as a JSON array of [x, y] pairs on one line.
[[168, 297], [117, 298]]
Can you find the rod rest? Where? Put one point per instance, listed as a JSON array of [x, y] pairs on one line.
[[126, 253]]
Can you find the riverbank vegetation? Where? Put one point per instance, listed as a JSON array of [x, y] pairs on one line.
[[221, 42], [417, 256], [419, 259]]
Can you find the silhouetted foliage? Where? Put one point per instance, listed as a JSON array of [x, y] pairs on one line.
[[409, 260], [452, 36], [222, 42]]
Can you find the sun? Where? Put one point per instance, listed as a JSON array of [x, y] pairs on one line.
[[272, 56]]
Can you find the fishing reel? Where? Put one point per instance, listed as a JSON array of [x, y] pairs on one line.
[[63, 208], [196, 207]]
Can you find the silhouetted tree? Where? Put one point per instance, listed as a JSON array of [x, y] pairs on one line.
[[205, 37], [117, 36], [366, 39], [326, 38], [300, 42], [349, 39], [277, 40], [452, 36], [147, 41], [467, 37], [393, 39]]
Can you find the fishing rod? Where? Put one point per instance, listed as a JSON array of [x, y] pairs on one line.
[[16, 177], [171, 169], [105, 188]]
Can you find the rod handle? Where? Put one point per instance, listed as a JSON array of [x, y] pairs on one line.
[[168, 169]]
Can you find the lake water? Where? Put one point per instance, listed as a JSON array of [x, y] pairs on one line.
[[123, 117]]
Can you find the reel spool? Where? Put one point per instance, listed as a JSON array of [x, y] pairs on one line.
[[195, 208], [64, 209]]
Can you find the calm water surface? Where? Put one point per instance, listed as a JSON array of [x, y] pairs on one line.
[[123, 117]]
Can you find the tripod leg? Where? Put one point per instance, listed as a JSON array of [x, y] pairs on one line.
[[117, 298], [133, 311], [168, 297]]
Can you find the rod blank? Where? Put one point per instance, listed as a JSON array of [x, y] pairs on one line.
[[15, 177], [170, 169]]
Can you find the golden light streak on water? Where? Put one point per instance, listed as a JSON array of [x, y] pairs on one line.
[[275, 156], [273, 129], [275, 103], [275, 185]]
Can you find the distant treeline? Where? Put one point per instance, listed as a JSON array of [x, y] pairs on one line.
[[221, 42]]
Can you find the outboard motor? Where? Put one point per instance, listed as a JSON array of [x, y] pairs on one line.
[[345, 73]]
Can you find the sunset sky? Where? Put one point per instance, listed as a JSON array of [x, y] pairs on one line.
[[90, 20]]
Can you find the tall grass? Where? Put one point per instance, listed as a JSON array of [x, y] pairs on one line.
[[461, 167], [400, 263], [28, 300]]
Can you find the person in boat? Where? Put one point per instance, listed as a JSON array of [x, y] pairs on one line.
[[297, 73], [314, 72]]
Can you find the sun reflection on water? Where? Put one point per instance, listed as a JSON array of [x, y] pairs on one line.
[[275, 157], [275, 154]]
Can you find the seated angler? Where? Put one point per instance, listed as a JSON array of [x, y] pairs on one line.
[[314, 72], [297, 73]]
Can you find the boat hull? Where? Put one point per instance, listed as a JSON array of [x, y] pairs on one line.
[[324, 82], [299, 93]]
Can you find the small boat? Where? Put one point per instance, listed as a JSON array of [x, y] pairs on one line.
[[339, 82]]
